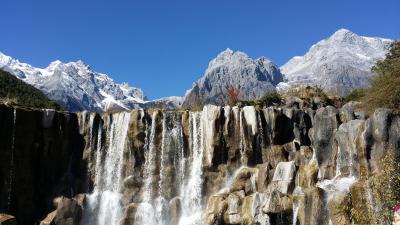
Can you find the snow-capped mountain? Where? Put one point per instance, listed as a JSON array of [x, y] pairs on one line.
[[75, 86], [233, 69], [169, 103], [338, 64]]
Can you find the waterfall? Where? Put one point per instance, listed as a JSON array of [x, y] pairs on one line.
[[11, 178], [192, 194], [243, 160], [145, 213], [103, 205], [161, 203]]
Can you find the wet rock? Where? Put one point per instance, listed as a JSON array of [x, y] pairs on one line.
[[68, 212], [232, 214], [277, 203], [47, 153], [130, 214], [279, 128], [382, 136], [252, 212], [6, 219], [245, 179], [264, 176], [350, 142], [212, 132], [215, 210], [275, 154], [311, 207], [175, 211], [326, 122], [283, 179]]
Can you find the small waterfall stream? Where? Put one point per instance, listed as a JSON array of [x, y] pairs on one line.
[[191, 196], [11, 175]]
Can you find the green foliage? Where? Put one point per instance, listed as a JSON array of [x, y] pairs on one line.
[[355, 95], [384, 90], [16, 92], [271, 98], [373, 202], [385, 187]]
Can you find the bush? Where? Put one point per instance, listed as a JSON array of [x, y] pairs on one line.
[[307, 92], [385, 86], [355, 95], [271, 98]]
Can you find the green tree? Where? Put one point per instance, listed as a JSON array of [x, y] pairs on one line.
[[385, 87], [14, 91]]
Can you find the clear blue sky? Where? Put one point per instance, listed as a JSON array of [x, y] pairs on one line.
[[164, 46]]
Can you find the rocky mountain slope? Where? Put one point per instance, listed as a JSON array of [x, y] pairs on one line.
[[338, 64], [75, 85], [253, 78], [16, 92]]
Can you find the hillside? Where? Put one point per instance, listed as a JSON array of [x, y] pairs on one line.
[[17, 92]]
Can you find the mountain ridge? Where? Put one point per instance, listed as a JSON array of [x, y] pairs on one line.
[[339, 63]]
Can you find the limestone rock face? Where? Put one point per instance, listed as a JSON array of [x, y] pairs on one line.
[[40, 158], [219, 166], [326, 121]]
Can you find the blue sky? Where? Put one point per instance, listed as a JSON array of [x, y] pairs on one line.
[[164, 46]]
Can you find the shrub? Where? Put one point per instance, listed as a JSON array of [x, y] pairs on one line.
[[355, 95], [232, 94], [385, 86], [307, 92], [271, 98]]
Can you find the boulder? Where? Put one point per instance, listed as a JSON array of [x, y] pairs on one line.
[[283, 177], [233, 212], [6, 219], [277, 203], [245, 179], [68, 212], [215, 209]]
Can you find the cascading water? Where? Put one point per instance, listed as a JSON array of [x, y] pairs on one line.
[[11, 178], [103, 205], [192, 191], [145, 213], [243, 160]]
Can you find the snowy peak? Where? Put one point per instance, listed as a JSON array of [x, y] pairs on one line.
[[339, 63], [75, 86]]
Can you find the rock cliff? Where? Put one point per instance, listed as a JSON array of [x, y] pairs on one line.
[[221, 165]]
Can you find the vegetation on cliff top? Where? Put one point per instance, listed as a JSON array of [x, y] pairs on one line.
[[384, 91], [18, 93]]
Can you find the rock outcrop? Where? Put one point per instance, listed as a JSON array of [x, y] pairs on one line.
[[40, 159], [253, 78]]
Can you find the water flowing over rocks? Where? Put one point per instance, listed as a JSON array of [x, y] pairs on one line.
[[221, 165]]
